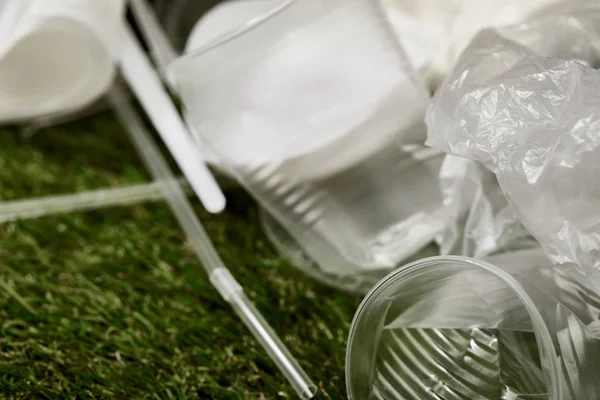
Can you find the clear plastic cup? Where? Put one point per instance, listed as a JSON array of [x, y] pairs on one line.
[[416, 202], [314, 108], [189, 24], [454, 328]]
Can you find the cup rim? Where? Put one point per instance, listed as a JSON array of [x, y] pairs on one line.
[[232, 35], [542, 333]]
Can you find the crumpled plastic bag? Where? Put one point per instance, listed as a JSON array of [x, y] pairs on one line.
[[535, 122], [479, 219], [524, 101], [56, 56]]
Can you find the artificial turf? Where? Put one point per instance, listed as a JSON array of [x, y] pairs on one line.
[[113, 303]]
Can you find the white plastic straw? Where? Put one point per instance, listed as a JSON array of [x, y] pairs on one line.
[[218, 274], [92, 200], [160, 47], [146, 85]]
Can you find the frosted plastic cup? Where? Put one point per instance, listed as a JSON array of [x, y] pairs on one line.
[[56, 57], [314, 108], [183, 26], [455, 328], [189, 24]]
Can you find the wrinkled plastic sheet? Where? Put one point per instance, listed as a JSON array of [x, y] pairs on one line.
[[534, 121], [524, 102], [480, 221]]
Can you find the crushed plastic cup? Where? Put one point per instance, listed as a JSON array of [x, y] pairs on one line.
[[316, 110], [56, 56]]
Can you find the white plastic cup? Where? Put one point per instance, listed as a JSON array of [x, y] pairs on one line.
[[314, 107], [56, 56]]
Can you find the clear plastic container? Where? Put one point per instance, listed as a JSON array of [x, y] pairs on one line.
[[415, 193], [455, 328], [314, 108]]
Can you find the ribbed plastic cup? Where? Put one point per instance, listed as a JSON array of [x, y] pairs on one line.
[[456, 328], [315, 109]]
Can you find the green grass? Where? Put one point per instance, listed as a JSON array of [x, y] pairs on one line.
[[114, 304]]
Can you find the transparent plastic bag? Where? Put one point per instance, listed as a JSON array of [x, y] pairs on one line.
[[533, 120], [56, 56], [480, 221], [524, 102]]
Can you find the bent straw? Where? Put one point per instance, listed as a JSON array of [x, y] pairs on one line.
[[85, 201], [147, 87], [219, 275]]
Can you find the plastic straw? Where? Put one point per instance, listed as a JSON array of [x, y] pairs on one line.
[[219, 275], [147, 87], [159, 45], [85, 201]]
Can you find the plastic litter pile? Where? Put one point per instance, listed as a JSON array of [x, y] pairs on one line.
[[322, 110]]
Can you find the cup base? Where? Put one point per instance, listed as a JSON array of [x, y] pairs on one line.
[[288, 248]]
